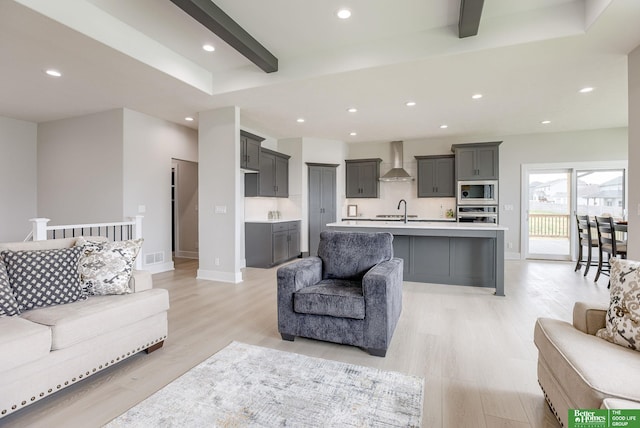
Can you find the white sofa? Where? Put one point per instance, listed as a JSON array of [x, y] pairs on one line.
[[47, 349], [578, 370]]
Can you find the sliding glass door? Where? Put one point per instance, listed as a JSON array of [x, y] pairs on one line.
[[553, 196], [601, 192], [549, 214]]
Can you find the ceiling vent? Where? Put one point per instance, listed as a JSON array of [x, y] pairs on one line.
[[397, 173]]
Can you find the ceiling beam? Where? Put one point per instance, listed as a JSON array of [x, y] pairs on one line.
[[470, 12], [212, 17]]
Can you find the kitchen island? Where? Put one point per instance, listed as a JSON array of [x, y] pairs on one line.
[[443, 253]]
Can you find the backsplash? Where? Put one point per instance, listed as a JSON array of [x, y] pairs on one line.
[[259, 208], [390, 195]]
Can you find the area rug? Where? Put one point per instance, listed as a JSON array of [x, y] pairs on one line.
[[245, 385]]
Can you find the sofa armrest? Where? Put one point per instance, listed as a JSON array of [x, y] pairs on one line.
[[141, 280], [382, 289], [589, 317]]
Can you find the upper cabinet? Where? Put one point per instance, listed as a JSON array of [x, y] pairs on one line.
[[436, 178], [363, 178], [272, 179], [477, 161], [250, 151]]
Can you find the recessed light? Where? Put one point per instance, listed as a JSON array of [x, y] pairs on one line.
[[545, 122], [444, 126], [476, 96], [410, 103], [353, 134], [344, 14], [352, 109], [300, 120], [208, 48], [53, 73], [586, 90], [188, 119]]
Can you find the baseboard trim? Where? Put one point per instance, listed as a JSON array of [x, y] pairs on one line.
[[160, 267], [187, 254], [512, 256], [215, 275]]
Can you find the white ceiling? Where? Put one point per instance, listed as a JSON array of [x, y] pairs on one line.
[[529, 60]]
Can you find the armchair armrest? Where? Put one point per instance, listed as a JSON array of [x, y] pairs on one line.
[[140, 281], [291, 278], [589, 317], [301, 273], [382, 289]]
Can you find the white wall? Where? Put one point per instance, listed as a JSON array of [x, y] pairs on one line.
[[80, 169], [18, 178], [634, 155], [149, 144], [221, 201], [562, 148]]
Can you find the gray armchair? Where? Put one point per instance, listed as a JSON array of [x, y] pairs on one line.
[[351, 293]]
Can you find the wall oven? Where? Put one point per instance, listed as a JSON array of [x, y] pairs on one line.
[[478, 214], [478, 192]]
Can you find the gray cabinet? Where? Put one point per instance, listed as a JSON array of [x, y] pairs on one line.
[[250, 151], [436, 178], [363, 178], [477, 161], [322, 201], [272, 180], [269, 244]]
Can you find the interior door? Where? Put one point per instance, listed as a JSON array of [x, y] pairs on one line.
[[322, 202]]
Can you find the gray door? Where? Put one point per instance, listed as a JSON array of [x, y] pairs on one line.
[[322, 202]]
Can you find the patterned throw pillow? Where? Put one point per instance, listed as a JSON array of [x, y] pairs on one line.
[[8, 304], [623, 317], [42, 278], [106, 267]]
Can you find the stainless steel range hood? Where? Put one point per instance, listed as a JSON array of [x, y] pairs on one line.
[[397, 173]]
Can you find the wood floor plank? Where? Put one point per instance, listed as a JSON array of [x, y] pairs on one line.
[[474, 350]]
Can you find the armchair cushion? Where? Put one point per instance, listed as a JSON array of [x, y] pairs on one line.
[[350, 255], [332, 297]]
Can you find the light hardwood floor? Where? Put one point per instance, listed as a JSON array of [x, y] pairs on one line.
[[474, 350]]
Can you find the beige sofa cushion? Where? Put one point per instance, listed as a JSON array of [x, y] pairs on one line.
[[617, 404], [591, 369], [105, 267], [21, 342], [76, 322]]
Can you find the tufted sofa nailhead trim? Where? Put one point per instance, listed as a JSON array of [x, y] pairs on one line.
[[553, 409], [101, 366]]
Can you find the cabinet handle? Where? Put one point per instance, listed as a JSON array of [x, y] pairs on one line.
[[248, 158]]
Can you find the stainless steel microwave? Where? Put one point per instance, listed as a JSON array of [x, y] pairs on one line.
[[478, 192]]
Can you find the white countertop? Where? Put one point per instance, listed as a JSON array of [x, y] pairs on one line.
[[418, 225], [411, 219], [280, 220]]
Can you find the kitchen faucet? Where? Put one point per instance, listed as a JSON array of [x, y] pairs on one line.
[[405, 208]]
